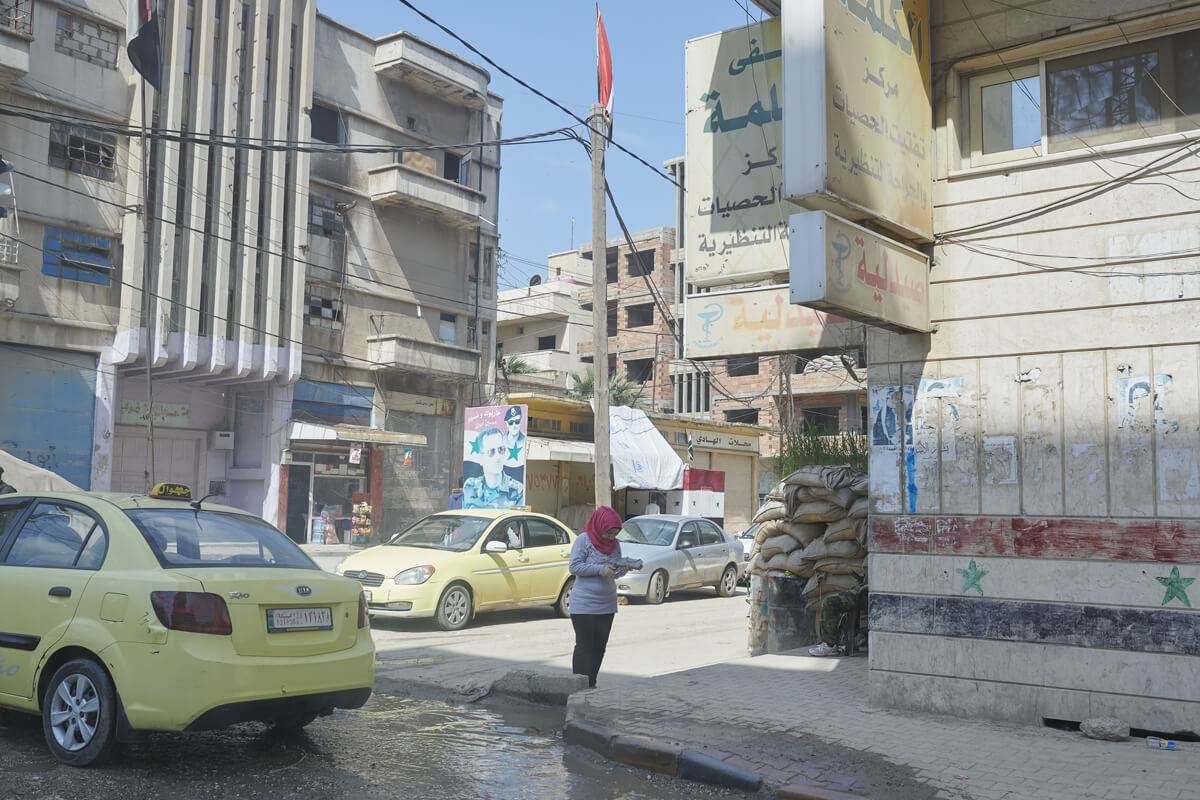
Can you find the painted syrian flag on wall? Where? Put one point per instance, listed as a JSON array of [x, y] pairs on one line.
[[141, 40]]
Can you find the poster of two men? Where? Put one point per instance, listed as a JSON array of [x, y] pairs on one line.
[[494, 453]]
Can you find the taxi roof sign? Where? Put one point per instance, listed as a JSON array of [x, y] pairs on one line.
[[171, 491]]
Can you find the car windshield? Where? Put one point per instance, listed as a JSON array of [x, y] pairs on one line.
[[659, 532], [182, 537], [456, 532]]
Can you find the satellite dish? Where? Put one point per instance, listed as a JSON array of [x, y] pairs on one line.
[[535, 280]]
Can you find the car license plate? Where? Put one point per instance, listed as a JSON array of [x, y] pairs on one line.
[[299, 619]]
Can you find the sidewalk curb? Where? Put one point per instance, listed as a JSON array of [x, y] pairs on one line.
[[647, 753]]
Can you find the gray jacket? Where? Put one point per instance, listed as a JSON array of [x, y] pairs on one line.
[[593, 593]]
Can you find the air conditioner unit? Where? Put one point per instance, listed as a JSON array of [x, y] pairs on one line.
[[220, 440]]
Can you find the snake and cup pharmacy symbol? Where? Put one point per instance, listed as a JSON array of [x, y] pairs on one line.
[[710, 314]]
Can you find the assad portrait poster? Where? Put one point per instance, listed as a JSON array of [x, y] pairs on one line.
[[494, 456]]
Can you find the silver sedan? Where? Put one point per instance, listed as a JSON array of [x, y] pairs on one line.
[[678, 553]]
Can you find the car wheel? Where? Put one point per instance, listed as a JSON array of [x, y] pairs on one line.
[[79, 713], [728, 584], [454, 609], [657, 590], [563, 606], [293, 722]]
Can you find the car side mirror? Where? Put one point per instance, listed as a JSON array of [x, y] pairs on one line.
[[495, 547], [684, 544]]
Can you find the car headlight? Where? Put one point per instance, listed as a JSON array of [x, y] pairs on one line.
[[338, 569], [414, 576]]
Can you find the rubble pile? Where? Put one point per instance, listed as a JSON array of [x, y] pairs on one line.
[[814, 526]]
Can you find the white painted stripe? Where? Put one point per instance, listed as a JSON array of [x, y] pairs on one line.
[[1122, 672], [1108, 583], [519, 569]]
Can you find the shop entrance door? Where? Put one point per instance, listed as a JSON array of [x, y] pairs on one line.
[[299, 476]]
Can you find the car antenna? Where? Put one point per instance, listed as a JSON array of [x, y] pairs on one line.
[[196, 503]]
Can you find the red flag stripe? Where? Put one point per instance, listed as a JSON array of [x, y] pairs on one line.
[[604, 74]]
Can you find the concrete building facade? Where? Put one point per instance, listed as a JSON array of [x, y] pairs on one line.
[[1035, 477], [288, 326]]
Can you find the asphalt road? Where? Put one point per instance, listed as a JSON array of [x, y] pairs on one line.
[[400, 746], [691, 629]]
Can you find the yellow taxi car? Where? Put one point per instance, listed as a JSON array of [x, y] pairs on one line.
[[455, 564], [126, 613]]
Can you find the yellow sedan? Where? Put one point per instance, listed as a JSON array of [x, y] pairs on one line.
[[125, 613], [452, 565]]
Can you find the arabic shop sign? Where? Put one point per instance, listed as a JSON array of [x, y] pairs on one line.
[[858, 274], [758, 322], [870, 154], [736, 221], [166, 415], [723, 440]]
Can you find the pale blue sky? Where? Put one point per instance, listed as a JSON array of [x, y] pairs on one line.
[[550, 44]]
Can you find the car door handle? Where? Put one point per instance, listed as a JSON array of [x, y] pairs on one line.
[[60, 591], [522, 558]]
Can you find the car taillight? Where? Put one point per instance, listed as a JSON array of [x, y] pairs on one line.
[[364, 619], [197, 612]]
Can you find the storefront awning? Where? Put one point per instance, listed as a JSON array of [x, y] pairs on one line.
[[311, 432], [559, 450]]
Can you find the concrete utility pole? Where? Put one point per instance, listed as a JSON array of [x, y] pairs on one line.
[[603, 462]]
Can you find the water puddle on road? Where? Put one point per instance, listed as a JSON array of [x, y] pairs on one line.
[[445, 751]]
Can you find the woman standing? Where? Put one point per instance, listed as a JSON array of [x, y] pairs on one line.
[[596, 563]]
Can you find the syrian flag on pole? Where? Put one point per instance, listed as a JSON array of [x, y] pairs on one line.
[[141, 40], [604, 76], [691, 451]]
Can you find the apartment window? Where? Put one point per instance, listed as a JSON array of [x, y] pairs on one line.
[[639, 370], [824, 419], [447, 328], [1132, 91], [611, 318], [744, 416], [639, 264], [327, 239], [544, 425], [640, 316], [583, 428], [321, 308], [81, 149], [472, 332], [546, 342], [327, 125], [742, 366], [1006, 114], [450, 166], [76, 256], [610, 272]]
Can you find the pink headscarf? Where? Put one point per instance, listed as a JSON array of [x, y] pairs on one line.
[[602, 519]]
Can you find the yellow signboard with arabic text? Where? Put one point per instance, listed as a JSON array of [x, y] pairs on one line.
[[760, 321], [736, 221], [860, 142], [858, 274]]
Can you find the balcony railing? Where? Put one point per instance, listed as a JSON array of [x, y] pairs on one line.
[[411, 354], [16, 16], [400, 184]]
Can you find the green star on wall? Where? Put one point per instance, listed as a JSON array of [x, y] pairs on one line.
[[475, 445], [972, 575], [513, 451], [1176, 587]]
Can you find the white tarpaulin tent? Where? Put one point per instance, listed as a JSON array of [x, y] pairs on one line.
[[25, 477], [641, 457]]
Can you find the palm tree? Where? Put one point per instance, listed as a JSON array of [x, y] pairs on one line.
[[512, 365], [621, 391]]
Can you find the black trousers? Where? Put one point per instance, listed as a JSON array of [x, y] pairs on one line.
[[591, 639]]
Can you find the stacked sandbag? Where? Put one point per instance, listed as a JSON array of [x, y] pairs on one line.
[[814, 526]]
